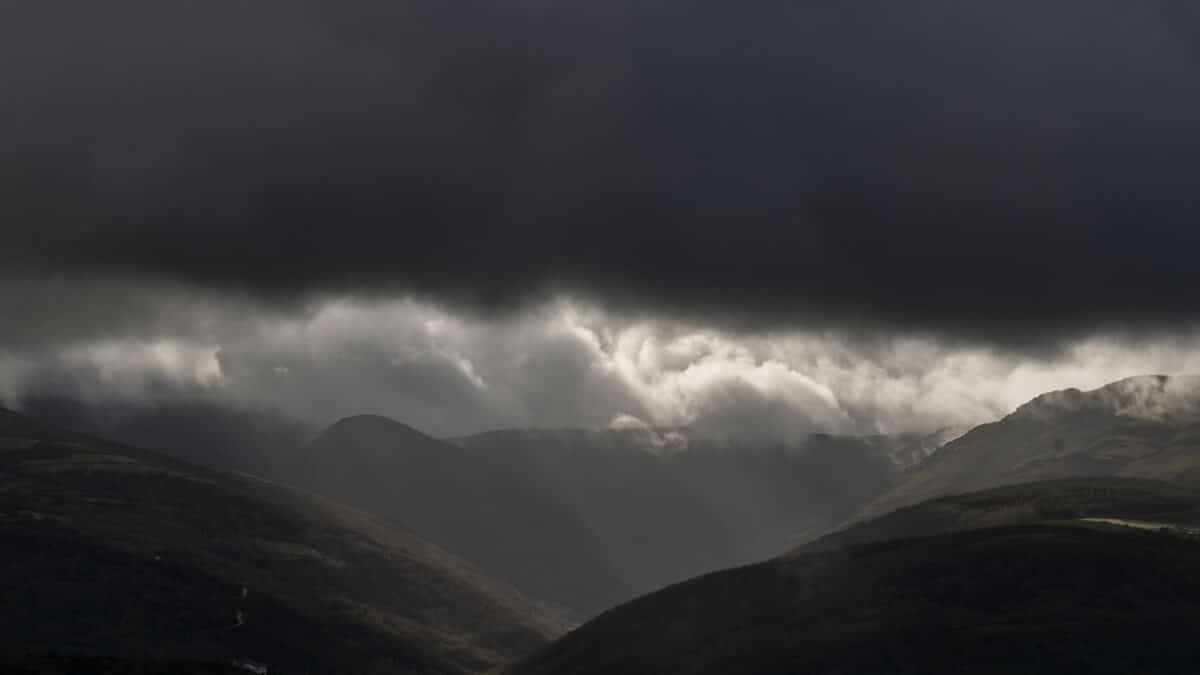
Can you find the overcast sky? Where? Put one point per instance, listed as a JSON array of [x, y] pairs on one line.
[[777, 217]]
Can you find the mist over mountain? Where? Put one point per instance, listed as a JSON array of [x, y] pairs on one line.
[[1155, 398]]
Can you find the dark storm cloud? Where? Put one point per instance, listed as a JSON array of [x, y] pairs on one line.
[[48, 312], [999, 168]]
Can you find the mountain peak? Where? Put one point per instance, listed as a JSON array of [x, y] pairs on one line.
[[1165, 398], [375, 425]]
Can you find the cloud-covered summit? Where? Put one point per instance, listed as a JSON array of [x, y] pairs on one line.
[[1158, 398]]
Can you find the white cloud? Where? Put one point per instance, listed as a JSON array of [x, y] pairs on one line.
[[568, 363], [129, 365]]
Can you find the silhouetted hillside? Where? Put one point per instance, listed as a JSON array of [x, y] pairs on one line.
[[122, 560]]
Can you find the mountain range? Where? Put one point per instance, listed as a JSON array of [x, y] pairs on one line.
[[1061, 536], [581, 520]]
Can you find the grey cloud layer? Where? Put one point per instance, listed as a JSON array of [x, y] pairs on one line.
[[1014, 170], [567, 364]]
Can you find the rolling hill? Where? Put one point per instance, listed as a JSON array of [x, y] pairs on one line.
[[118, 559], [1098, 577]]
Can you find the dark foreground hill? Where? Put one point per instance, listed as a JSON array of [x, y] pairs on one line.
[[1070, 591], [1069, 499], [589, 519], [121, 560], [1141, 427]]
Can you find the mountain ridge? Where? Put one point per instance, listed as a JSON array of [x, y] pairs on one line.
[[1143, 426]]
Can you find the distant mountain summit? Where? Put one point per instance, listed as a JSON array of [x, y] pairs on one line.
[[1143, 427], [364, 453], [369, 429]]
